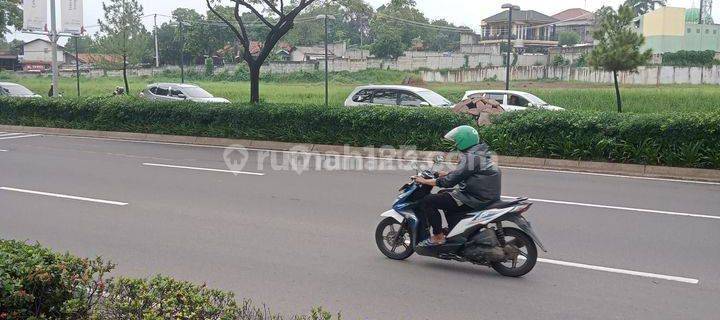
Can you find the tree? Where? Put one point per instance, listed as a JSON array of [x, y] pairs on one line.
[[10, 16], [388, 45], [279, 20], [640, 7], [618, 47], [14, 47], [122, 33], [85, 45], [568, 38]]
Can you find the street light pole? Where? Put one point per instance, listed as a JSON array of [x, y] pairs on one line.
[[182, 53], [325, 17], [157, 49], [54, 40], [510, 8]]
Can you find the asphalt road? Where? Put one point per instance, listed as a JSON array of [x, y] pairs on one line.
[[295, 241]]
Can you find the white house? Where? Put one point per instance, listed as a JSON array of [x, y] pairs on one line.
[[37, 55]]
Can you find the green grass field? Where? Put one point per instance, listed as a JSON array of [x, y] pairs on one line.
[[574, 96]]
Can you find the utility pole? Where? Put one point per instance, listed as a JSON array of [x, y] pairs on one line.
[[157, 50], [182, 54], [510, 8], [54, 40], [77, 63], [326, 62], [325, 17]]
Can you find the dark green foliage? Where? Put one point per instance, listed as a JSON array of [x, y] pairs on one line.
[[568, 38], [36, 283], [689, 58], [371, 126], [686, 140], [673, 139]]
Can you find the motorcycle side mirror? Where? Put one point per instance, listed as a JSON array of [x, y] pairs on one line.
[[439, 159], [414, 166]]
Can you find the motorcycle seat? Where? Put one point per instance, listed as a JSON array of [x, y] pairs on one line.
[[500, 204]]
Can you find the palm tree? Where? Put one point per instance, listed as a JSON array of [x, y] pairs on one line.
[[641, 7]]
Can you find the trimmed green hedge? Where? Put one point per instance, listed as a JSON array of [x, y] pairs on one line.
[[373, 126], [674, 139], [37, 283], [685, 140]]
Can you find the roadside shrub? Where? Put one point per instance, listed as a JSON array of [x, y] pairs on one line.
[[676, 139], [672, 139], [684, 58], [371, 126], [37, 283]]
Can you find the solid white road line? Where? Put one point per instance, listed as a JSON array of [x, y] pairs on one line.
[[1, 150], [56, 195], [620, 271], [202, 169], [6, 134], [608, 175], [681, 214], [18, 137]]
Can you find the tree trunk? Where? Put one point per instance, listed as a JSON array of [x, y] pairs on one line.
[[255, 83], [617, 92], [127, 86]]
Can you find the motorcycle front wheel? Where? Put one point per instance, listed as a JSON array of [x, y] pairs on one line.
[[393, 239], [525, 261]]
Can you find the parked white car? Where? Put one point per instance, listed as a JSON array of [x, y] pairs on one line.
[[391, 95], [513, 100], [9, 89], [179, 92]]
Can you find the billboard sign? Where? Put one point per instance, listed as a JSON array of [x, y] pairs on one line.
[[35, 15], [71, 16]]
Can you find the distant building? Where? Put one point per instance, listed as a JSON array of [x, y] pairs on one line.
[[533, 31], [576, 20], [669, 29], [8, 61], [313, 53], [37, 56]]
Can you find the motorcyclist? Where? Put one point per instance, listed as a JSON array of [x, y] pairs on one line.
[[475, 182]]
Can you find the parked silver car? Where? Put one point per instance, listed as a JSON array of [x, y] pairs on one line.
[[390, 95], [513, 100], [179, 92], [9, 89]]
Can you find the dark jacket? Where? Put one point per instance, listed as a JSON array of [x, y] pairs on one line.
[[476, 181]]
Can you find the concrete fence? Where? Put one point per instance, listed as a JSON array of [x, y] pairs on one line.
[[655, 75]]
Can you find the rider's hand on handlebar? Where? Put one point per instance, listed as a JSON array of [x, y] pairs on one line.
[[441, 174], [421, 180]]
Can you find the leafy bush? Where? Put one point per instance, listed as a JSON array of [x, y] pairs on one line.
[[685, 58], [674, 139], [36, 283], [371, 126], [688, 140], [568, 38]]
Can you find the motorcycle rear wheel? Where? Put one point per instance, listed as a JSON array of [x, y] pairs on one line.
[[386, 232], [529, 254]]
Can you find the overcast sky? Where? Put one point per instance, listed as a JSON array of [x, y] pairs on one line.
[[460, 12]]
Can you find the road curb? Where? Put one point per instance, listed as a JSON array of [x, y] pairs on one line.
[[507, 161]]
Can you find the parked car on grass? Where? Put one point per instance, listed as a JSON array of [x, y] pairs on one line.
[[9, 89], [391, 95], [512, 100], [179, 92]]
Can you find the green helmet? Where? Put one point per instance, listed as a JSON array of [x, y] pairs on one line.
[[464, 137]]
